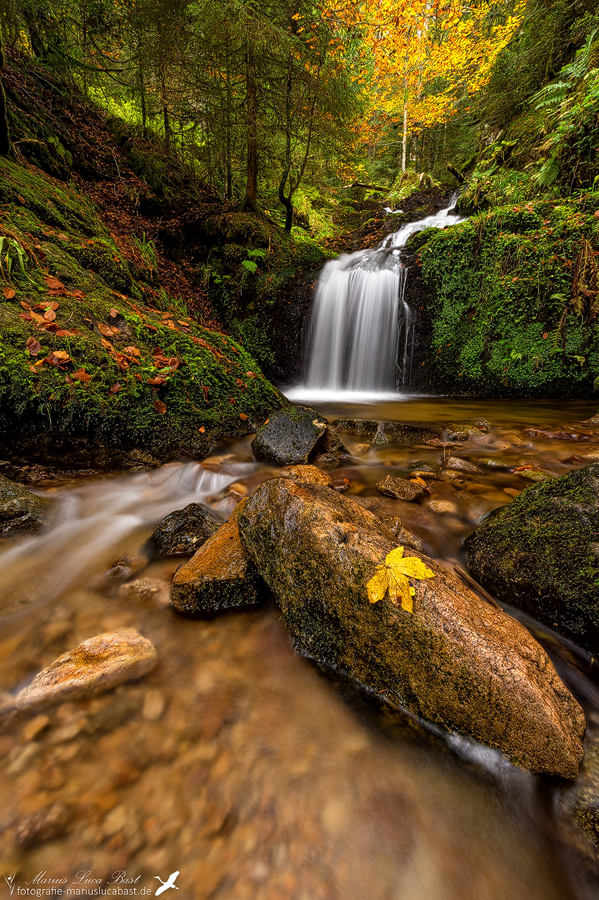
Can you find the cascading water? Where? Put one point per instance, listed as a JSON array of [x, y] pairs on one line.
[[361, 331]]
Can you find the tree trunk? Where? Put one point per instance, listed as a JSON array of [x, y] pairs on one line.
[[4, 132], [251, 185], [142, 98], [404, 149]]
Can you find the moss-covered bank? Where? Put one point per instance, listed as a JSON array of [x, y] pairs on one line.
[[95, 361], [512, 295]]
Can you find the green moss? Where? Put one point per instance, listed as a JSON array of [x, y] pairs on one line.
[[509, 309], [61, 235], [540, 553]]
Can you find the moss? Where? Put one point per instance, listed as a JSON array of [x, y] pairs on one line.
[[540, 553], [52, 232], [508, 303]]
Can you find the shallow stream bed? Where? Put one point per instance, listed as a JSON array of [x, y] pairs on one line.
[[236, 762]]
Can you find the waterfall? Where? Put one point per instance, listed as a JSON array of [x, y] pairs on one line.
[[361, 334]]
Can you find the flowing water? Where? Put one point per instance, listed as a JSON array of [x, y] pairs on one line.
[[236, 762], [360, 338]]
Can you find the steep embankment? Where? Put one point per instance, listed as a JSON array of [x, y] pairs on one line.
[[110, 350]]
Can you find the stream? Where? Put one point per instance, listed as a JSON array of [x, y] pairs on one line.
[[236, 762]]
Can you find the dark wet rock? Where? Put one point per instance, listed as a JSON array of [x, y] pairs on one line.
[[457, 661], [292, 435], [454, 462], [579, 806], [534, 472], [400, 488], [96, 665], [494, 462], [309, 475], [541, 554], [454, 432], [20, 510], [556, 434], [383, 432], [43, 825], [220, 575], [184, 530]]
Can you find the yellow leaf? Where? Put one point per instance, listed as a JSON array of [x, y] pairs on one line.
[[377, 586], [393, 577]]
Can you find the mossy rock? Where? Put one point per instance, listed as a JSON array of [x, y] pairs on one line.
[[20, 510], [541, 554]]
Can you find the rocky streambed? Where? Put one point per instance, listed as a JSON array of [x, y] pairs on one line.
[[201, 742]]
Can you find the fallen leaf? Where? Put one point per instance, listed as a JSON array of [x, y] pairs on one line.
[[9, 293], [160, 407], [26, 316], [114, 389], [81, 375], [157, 381], [25, 305], [106, 330], [33, 345], [106, 344], [205, 389], [132, 351], [53, 283], [202, 430], [64, 332], [242, 416], [78, 295], [393, 576], [114, 313], [49, 315]]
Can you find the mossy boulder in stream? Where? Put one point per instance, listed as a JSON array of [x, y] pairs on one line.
[[184, 530], [20, 510], [456, 661], [541, 554]]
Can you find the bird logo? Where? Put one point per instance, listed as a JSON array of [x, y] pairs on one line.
[[10, 880], [170, 883]]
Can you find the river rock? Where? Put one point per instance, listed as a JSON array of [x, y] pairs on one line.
[[20, 510], [400, 488], [384, 432], [456, 661], [541, 554], [291, 435], [220, 575], [310, 475], [401, 534], [94, 666], [455, 462], [184, 530]]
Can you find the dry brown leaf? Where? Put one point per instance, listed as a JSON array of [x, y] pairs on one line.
[[8, 293], [33, 346], [160, 407]]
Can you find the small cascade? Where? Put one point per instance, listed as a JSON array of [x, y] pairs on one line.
[[361, 335]]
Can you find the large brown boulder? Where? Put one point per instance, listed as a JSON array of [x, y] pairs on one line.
[[455, 660]]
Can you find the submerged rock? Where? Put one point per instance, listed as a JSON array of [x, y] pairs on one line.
[[456, 462], [184, 530], [291, 435], [219, 576], [20, 510], [400, 488], [541, 554], [96, 665], [455, 661], [383, 432], [579, 805]]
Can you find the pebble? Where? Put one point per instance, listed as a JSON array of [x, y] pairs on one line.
[[443, 506], [96, 665]]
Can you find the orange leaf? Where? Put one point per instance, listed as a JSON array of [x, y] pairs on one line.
[[242, 416], [114, 313], [202, 430], [106, 344], [33, 346], [25, 305], [9, 293], [80, 375], [114, 389], [49, 315], [160, 407], [54, 284]]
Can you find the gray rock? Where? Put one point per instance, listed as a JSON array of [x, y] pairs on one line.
[[96, 665], [20, 510], [455, 462], [456, 661], [184, 530], [385, 432], [292, 435], [400, 488]]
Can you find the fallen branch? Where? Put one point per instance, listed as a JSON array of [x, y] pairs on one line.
[[455, 173], [361, 184]]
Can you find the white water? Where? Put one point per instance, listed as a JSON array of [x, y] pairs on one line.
[[361, 338], [96, 523]]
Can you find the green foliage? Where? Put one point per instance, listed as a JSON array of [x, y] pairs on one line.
[[514, 309]]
